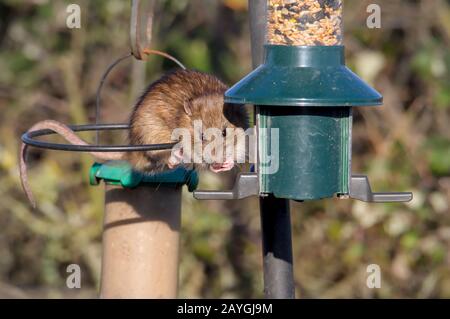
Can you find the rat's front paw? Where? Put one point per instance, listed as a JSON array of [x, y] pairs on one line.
[[176, 158], [222, 167]]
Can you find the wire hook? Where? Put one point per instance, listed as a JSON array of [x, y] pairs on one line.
[[142, 13]]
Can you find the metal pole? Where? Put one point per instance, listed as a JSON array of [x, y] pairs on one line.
[[258, 12], [277, 248], [275, 215]]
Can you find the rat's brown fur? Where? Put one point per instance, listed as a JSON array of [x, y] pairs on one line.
[[175, 101]]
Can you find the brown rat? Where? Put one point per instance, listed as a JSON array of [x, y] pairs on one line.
[[179, 100], [176, 101]]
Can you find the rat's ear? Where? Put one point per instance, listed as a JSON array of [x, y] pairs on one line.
[[188, 107]]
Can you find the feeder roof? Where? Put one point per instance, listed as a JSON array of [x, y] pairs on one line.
[[303, 76]]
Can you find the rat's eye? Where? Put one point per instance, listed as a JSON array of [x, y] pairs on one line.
[[203, 136], [224, 132]]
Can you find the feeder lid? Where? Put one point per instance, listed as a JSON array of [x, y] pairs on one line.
[[121, 173], [303, 76]]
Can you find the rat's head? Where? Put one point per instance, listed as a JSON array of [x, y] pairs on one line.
[[217, 132]]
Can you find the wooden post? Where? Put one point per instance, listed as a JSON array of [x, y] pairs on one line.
[[141, 242]]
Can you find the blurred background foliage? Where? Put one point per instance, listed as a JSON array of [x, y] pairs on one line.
[[51, 72]]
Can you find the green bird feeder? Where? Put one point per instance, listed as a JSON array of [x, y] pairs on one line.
[[303, 95]]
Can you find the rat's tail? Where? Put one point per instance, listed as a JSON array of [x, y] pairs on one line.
[[68, 135]]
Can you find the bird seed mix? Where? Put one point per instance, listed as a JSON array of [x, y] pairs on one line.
[[304, 22]]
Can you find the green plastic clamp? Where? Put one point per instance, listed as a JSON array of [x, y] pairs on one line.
[[121, 173]]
